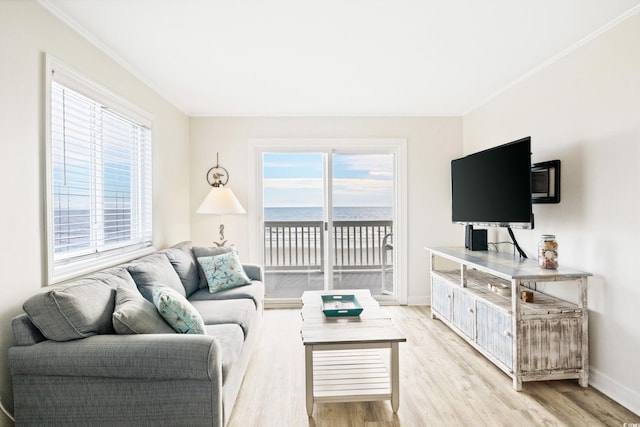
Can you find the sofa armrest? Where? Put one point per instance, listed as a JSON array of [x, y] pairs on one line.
[[254, 271], [152, 356]]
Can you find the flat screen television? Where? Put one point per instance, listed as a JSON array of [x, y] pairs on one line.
[[493, 187]]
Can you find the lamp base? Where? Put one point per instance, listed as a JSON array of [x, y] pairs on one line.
[[222, 241]]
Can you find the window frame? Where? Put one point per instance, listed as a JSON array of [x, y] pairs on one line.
[[97, 259]]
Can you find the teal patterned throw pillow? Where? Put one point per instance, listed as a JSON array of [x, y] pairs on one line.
[[177, 311], [223, 271]]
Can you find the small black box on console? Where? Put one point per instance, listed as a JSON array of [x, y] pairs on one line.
[[475, 240]]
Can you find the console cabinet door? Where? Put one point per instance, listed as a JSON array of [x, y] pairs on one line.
[[464, 316], [441, 297], [554, 343], [494, 333]]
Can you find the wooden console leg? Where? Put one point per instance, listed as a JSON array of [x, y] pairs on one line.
[[517, 383], [395, 377], [584, 379], [308, 372]]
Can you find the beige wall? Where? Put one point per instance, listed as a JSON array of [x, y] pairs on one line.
[[431, 144], [27, 31], [585, 110]]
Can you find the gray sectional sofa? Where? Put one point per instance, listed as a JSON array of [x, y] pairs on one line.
[[70, 367]]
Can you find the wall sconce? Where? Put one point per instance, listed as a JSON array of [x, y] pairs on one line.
[[220, 200]]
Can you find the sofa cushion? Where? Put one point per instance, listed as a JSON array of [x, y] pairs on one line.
[[75, 310], [231, 338], [185, 264], [253, 291], [199, 251], [135, 315], [115, 277], [177, 311], [223, 271], [254, 271], [152, 269], [239, 311]]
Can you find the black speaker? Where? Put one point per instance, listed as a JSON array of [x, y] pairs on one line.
[[478, 240]]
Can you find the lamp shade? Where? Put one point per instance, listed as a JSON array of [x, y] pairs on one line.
[[220, 201]]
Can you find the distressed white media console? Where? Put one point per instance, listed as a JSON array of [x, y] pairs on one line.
[[478, 295]]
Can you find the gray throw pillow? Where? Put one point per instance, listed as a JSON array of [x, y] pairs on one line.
[[74, 310], [135, 315], [186, 266], [152, 269], [199, 252]]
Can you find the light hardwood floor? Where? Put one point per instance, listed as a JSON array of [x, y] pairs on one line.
[[443, 382]]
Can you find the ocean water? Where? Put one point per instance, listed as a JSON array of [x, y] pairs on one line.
[[344, 213]]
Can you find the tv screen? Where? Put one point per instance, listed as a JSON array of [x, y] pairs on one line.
[[493, 187]]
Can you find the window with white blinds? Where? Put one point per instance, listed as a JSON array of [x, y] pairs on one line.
[[99, 201]]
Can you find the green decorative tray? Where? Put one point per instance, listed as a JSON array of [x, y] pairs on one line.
[[340, 305]]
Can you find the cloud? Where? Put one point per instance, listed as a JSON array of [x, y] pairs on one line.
[[359, 180], [374, 164], [362, 192], [295, 164], [365, 185], [386, 174], [293, 183], [309, 192], [293, 192]]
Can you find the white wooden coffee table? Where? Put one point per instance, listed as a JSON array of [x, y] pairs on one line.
[[343, 360]]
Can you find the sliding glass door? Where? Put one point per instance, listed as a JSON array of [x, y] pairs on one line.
[[361, 231], [328, 220], [294, 214]]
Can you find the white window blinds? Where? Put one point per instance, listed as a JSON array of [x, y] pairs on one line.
[[100, 180]]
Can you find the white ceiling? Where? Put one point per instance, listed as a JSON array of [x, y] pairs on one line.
[[336, 57]]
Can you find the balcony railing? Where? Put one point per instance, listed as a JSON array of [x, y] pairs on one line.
[[300, 245]]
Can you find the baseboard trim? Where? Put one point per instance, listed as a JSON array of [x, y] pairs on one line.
[[622, 394], [424, 300]]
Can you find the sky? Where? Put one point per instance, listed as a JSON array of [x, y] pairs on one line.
[[296, 179]]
